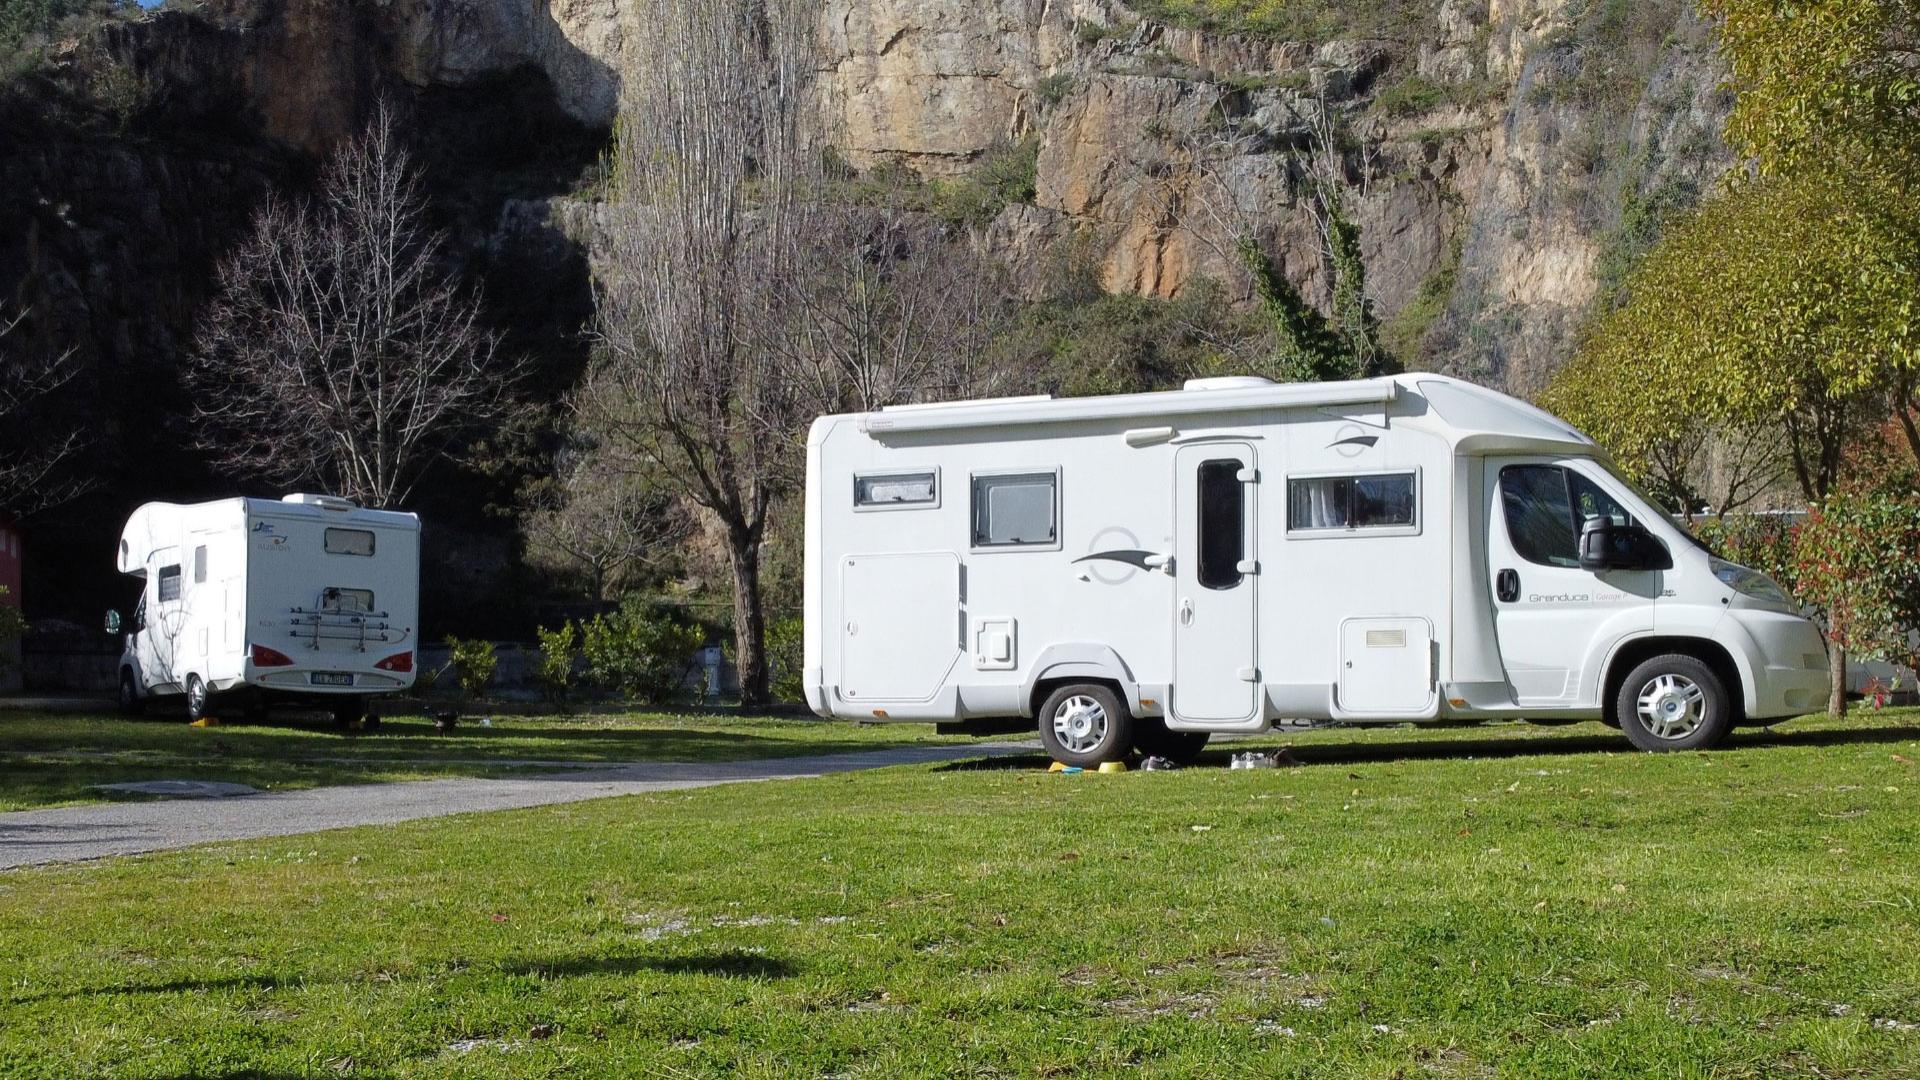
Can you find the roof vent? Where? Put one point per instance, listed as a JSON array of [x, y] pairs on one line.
[[324, 502], [1228, 382]]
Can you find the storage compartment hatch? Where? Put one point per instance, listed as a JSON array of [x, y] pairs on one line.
[[1386, 667], [899, 625]]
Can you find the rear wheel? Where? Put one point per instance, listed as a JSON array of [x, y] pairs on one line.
[[1674, 702], [130, 703], [1085, 724], [197, 699], [1153, 738]]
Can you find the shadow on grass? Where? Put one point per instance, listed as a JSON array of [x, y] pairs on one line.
[[1366, 749], [729, 963], [172, 986]]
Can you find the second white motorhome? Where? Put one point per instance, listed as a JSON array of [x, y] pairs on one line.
[[309, 598], [1136, 572]]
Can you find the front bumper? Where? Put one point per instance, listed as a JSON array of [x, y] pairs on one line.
[[1789, 663]]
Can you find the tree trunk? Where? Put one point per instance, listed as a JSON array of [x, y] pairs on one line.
[[1837, 673], [749, 617]]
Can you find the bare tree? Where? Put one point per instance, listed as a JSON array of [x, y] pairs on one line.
[[890, 307], [34, 449], [600, 518], [338, 349], [715, 164], [1720, 468]]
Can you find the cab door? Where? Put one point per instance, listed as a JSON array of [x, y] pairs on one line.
[[1216, 574], [1553, 619]]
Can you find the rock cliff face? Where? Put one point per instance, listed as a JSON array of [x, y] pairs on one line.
[[1500, 166], [1502, 157]]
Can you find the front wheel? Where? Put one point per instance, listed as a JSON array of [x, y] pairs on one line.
[[197, 699], [130, 703], [1674, 702], [1085, 724]]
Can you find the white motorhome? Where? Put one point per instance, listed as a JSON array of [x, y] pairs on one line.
[[308, 597], [1139, 571]]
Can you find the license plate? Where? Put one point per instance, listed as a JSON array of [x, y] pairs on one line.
[[331, 678]]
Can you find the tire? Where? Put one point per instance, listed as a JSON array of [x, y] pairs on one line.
[[1152, 738], [129, 702], [1674, 702], [1086, 724], [197, 699]]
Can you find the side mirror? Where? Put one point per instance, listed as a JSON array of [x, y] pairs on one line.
[[1596, 545], [1606, 546], [113, 622]]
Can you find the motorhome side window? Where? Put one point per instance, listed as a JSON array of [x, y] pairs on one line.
[[1368, 501], [200, 564], [1546, 505], [349, 542], [169, 586], [1223, 523], [895, 489], [1016, 510]]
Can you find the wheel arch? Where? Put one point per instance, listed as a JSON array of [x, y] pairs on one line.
[[1078, 662], [1635, 651]]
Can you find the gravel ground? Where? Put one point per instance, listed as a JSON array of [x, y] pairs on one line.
[[70, 834]]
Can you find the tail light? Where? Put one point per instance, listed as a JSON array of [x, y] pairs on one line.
[[400, 661], [265, 657]]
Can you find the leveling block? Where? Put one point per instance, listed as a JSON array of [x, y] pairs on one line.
[[1105, 767]]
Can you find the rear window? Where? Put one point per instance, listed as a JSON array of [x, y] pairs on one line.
[[349, 542], [359, 601]]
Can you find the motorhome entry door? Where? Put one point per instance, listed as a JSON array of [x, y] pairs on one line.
[[1216, 570]]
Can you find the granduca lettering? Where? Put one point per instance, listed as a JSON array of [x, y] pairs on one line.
[[1559, 598]]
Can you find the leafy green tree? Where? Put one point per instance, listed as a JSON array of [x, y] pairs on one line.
[[1821, 87], [1790, 300]]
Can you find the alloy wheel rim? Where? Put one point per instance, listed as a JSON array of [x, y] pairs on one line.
[[1080, 723], [1671, 706]]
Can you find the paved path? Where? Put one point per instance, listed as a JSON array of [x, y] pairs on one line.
[[69, 834]]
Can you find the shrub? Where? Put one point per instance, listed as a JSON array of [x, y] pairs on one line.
[[1858, 559], [786, 657], [1004, 173], [557, 651], [639, 653], [12, 625], [473, 663]]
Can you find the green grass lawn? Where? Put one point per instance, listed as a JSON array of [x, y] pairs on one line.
[[50, 759], [1460, 903]]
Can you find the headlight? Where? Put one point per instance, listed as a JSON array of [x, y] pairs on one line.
[[1749, 582]]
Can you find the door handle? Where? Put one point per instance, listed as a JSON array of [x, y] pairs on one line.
[[1507, 584], [1186, 611]]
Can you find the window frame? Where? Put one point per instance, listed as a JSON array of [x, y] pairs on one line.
[[1200, 532], [171, 571], [1568, 472], [881, 474], [1053, 475], [1352, 531], [373, 542]]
